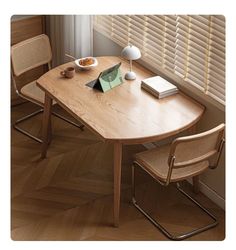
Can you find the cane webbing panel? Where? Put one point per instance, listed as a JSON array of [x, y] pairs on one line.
[[30, 54]]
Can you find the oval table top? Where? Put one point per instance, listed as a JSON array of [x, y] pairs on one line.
[[125, 113]]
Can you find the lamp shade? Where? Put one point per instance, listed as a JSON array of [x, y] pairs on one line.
[[131, 52]]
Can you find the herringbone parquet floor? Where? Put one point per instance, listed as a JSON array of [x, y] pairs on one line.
[[68, 195]]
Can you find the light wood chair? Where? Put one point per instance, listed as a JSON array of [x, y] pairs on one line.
[[25, 56], [186, 157]]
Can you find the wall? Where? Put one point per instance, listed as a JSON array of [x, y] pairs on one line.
[[213, 181]]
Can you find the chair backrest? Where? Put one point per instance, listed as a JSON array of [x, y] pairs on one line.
[[193, 149], [30, 54]]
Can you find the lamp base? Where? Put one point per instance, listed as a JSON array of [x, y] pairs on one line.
[[130, 75]]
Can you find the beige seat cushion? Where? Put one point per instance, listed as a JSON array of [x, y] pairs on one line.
[[154, 161], [32, 92]]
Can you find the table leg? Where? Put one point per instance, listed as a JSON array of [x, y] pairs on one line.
[[46, 134], [196, 184], [117, 181]]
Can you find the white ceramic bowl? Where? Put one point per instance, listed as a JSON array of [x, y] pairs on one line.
[[86, 67]]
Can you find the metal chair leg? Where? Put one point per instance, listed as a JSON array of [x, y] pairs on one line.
[[80, 126], [24, 131], [36, 113], [201, 229], [163, 229]]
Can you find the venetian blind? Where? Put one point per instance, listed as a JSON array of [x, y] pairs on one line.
[[190, 46]]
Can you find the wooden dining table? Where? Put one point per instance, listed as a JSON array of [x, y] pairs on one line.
[[126, 114]]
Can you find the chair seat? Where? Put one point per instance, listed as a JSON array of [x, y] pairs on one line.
[[155, 162], [32, 92]]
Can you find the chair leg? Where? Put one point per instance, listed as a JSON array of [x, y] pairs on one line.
[[36, 113], [163, 229], [80, 126], [201, 229], [24, 131]]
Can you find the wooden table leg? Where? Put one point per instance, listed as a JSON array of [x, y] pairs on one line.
[[196, 184], [46, 134], [117, 181]]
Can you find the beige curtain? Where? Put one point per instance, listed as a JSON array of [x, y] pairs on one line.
[[70, 34]]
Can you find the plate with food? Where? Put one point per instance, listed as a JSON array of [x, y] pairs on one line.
[[86, 63]]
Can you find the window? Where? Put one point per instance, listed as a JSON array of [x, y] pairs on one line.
[[191, 47]]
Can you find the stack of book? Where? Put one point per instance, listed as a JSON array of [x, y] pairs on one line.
[[159, 87]]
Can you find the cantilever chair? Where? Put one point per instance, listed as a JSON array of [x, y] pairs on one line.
[[25, 56], [186, 157]]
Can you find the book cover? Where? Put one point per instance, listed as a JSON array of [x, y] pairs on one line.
[[159, 87]]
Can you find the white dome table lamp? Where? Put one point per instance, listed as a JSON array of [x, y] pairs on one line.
[[130, 53]]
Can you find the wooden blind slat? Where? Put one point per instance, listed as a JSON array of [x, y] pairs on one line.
[[190, 46]]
